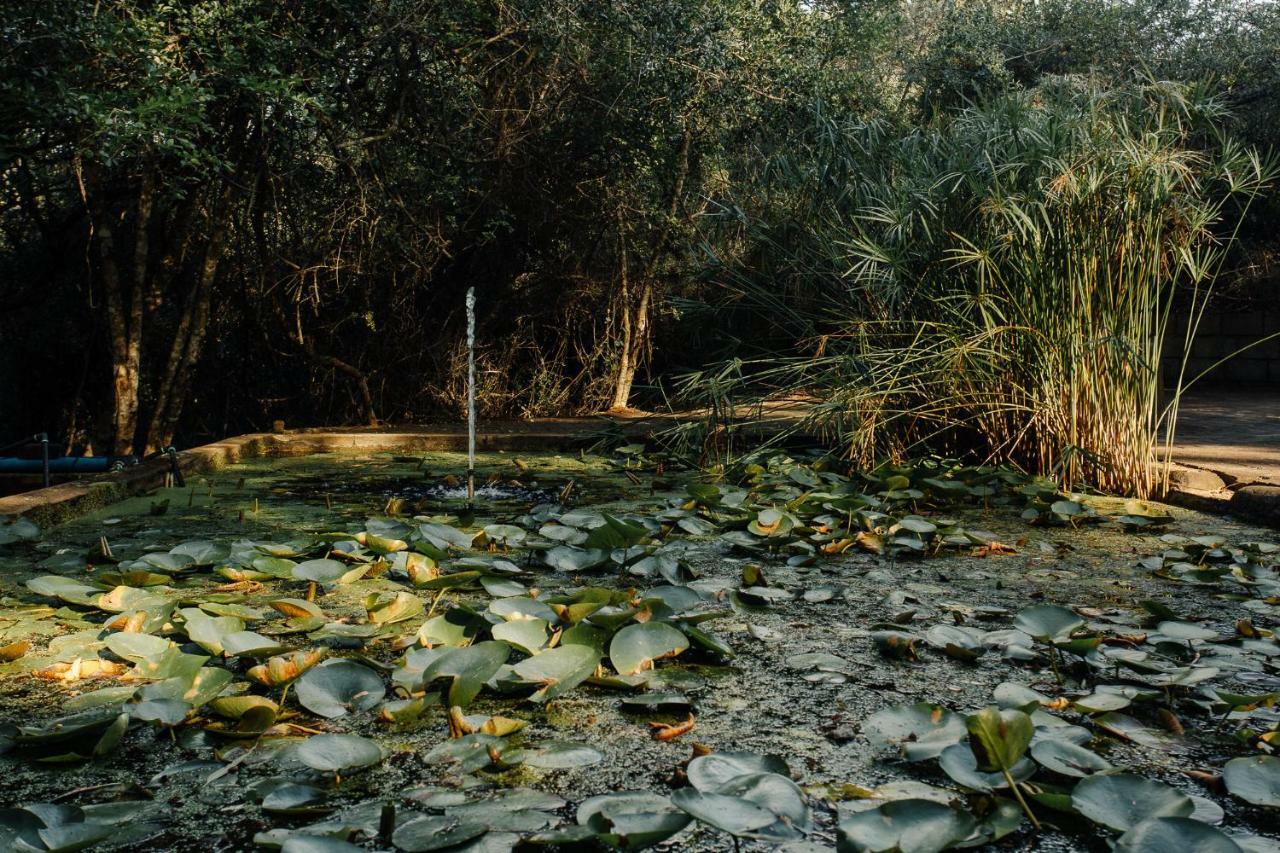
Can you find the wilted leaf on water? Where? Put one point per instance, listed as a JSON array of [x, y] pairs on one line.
[[281, 670], [397, 608]]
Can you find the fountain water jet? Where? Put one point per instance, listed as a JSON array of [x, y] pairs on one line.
[[471, 394]]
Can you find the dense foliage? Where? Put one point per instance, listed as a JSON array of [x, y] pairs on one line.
[[221, 213]]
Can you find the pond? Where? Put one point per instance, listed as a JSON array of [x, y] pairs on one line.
[[319, 652]]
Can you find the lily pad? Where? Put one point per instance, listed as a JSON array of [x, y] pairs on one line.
[[1164, 834], [337, 753], [338, 687], [1254, 779], [1123, 800], [908, 826], [920, 731], [636, 647]]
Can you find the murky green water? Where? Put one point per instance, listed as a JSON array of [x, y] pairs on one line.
[[755, 701]]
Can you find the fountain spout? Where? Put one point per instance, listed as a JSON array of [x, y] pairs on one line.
[[471, 394]]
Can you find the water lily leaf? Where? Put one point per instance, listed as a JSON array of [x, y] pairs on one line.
[[328, 572], [999, 738], [383, 545], [136, 647], [557, 671], [398, 608], [1068, 759], [772, 523], [66, 589], [522, 607], [249, 644], [1046, 622], [908, 826], [338, 687], [1162, 834], [469, 667], [1122, 801], [733, 815], [559, 755], [615, 533], [202, 553], [921, 731], [505, 534], [502, 587], [457, 626], [336, 753], [15, 528], [527, 635], [300, 843], [631, 820], [959, 762], [235, 707], [1185, 631], [956, 642], [569, 558], [657, 702], [436, 832], [711, 773], [636, 647], [281, 670], [1254, 779], [209, 632], [168, 712], [276, 567], [444, 536]]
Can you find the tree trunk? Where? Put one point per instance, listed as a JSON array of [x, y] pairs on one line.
[[124, 316], [188, 338], [635, 318]]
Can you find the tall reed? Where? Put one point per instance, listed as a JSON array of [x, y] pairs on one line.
[[1005, 282]]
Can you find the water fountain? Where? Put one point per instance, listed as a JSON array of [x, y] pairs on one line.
[[450, 493], [471, 394]]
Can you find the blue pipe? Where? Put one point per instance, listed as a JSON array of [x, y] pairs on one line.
[[63, 464]]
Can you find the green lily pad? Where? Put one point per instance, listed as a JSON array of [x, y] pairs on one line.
[[338, 687], [1068, 759], [908, 826], [1123, 800], [1184, 834], [921, 731], [636, 647], [557, 671], [1254, 779], [1047, 622], [337, 753]]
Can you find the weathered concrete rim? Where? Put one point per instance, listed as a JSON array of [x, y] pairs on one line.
[[66, 500]]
